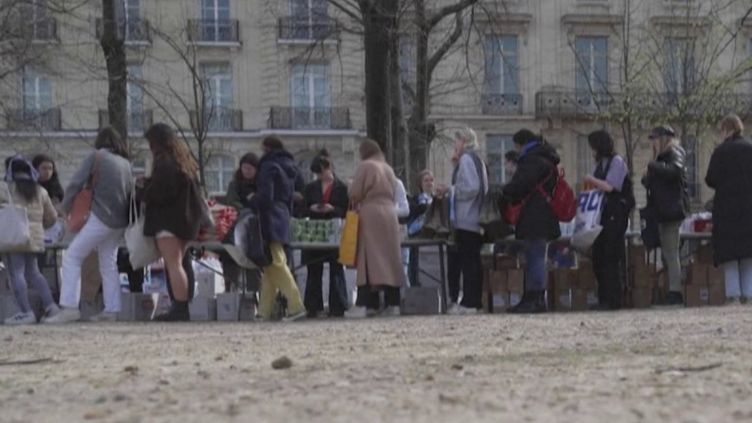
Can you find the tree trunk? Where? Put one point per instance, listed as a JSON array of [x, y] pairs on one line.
[[113, 48], [399, 146], [420, 131]]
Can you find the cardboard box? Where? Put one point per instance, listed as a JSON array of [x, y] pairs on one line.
[[228, 307], [137, 307], [697, 274], [705, 254], [716, 295], [421, 301], [586, 277], [203, 309], [642, 297], [515, 297], [696, 295], [247, 308], [592, 298], [498, 281], [716, 276], [564, 279], [563, 300], [516, 280], [579, 299], [504, 261], [643, 277], [638, 255], [500, 302]]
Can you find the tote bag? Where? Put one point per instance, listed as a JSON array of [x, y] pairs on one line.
[[15, 236], [249, 238], [348, 244], [142, 249], [587, 225], [81, 208]]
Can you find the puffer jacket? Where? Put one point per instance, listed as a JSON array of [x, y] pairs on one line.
[[666, 183], [41, 213]]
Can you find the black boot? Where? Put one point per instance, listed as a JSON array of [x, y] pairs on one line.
[[532, 302], [178, 313]]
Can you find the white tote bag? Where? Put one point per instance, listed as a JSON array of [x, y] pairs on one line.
[[15, 237], [142, 250], [587, 224]]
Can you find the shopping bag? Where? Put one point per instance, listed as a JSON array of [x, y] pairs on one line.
[[348, 244], [491, 219], [587, 225], [249, 238], [142, 249], [81, 207], [15, 236], [649, 227]]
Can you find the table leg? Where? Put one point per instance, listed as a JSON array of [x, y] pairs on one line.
[[443, 278]]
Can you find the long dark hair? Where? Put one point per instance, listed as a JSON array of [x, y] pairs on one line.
[[21, 170], [53, 186], [248, 158], [602, 143], [110, 139], [165, 145]]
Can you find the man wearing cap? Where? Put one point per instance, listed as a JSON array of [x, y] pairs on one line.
[[666, 184]]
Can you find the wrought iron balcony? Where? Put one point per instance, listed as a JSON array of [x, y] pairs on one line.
[[573, 103], [134, 30], [307, 118], [501, 104], [137, 122], [39, 120], [219, 120], [305, 29], [213, 31]]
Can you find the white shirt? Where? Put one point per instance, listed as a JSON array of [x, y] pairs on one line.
[[400, 200]]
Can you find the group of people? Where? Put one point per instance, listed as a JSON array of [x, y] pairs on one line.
[[272, 186]]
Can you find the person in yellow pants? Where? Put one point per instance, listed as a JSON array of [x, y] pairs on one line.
[[277, 277]]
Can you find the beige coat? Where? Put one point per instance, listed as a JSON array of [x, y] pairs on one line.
[[41, 213], [379, 260]]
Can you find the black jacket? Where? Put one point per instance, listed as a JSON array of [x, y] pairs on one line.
[[537, 164], [666, 183], [314, 193], [172, 202], [730, 175], [277, 180]]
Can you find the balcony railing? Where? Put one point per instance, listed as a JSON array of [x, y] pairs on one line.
[[137, 121], [573, 103], [213, 31], [219, 120], [501, 104], [39, 120], [307, 118], [305, 29], [41, 30], [134, 30]]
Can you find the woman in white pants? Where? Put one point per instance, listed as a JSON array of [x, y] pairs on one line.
[[108, 172]]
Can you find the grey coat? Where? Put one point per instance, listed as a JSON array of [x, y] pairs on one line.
[[111, 191]]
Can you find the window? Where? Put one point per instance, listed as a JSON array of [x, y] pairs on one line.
[[496, 147], [37, 93], [502, 69], [218, 98], [591, 74], [42, 27], [407, 71], [219, 172], [585, 160], [215, 20], [310, 96], [134, 28], [680, 68], [310, 19], [135, 98], [690, 146]]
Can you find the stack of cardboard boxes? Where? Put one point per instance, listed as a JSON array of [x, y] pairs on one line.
[[643, 287], [572, 289], [505, 283], [704, 285]]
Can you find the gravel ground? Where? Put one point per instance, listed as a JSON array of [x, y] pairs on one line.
[[688, 365]]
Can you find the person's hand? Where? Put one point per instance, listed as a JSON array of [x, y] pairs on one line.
[[588, 179]]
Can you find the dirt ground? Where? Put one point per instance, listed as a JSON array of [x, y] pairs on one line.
[[687, 365]]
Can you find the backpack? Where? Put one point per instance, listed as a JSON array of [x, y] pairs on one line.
[[562, 200]]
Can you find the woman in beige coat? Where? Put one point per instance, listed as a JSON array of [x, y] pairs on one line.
[[379, 262]]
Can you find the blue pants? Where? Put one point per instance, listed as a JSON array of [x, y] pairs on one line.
[[535, 258], [23, 268]]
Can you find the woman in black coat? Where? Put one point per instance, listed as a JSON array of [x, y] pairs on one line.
[[730, 175], [325, 199], [666, 185], [537, 167]]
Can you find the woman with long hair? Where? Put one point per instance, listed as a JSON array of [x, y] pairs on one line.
[[611, 176], [419, 204], [666, 185], [48, 177], [22, 189], [173, 211], [109, 172], [243, 184]]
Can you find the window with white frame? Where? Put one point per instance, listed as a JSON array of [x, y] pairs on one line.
[[219, 95], [680, 69], [219, 172], [37, 93], [134, 29], [502, 65], [497, 146], [310, 19], [591, 77], [36, 12], [585, 160], [135, 98], [407, 70], [215, 20], [310, 95]]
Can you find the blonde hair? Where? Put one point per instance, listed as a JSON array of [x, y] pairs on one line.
[[667, 141], [467, 134], [732, 123], [370, 149]]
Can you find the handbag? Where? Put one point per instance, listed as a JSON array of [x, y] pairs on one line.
[[142, 249], [348, 244], [81, 208], [15, 236], [587, 226], [249, 238], [437, 219]]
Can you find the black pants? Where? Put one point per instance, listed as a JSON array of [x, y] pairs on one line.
[[413, 267], [609, 259], [469, 245], [188, 268], [314, 299], [135, 276], [369, 297], [454, 273]]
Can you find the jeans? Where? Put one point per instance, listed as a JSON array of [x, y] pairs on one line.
[[454, 274], [314, 299], [277, 277], [469, 245], [670, 243], [95, 235], [535, 271], [23, 268], [738, 276]]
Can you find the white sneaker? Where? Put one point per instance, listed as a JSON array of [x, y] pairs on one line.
[[105, 316], [463, 311], [454, 309], [21, 319], [295, 317], [392, 311], [66, 315], [356, 313]]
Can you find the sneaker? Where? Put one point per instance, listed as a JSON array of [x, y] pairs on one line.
[[392, 311], [356, 313], [295, 317], [462, 311], [51, 311], [104, 316], [454, 309], [66, 315], [21, 319], [733, 301]]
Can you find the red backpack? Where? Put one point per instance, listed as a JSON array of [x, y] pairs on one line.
[[562, 200]]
